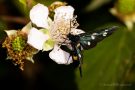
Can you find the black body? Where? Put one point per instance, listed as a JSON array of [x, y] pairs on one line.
[[86, 41]]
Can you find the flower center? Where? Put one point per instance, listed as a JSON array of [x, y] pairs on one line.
[[61, 28], [18, 49], [18, 43]]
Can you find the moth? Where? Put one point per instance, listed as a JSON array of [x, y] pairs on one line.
[[86, 41]]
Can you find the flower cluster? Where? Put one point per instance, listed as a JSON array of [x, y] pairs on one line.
[[46, 32]]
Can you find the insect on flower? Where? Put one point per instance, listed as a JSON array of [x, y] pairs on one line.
[[62, 31], [85, 41]]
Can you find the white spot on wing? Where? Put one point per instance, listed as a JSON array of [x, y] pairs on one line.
[[95, 34], [80, 56], [106, 30], [105, 33], [89, 43], [93, 37]]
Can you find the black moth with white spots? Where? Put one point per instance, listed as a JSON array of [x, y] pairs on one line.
[[86, 41]]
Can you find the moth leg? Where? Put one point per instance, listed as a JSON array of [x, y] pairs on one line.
[[80, 58]]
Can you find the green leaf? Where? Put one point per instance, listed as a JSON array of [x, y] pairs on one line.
[[103, 66], [126, 6]]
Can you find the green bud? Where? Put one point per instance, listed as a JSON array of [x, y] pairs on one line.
[[126, 6], [18, 44]]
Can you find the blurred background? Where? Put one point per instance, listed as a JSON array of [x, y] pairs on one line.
[[108, 66]]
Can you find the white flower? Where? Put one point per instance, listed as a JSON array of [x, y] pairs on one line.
[[40, 39], [17, 47], [39, 15], [65, 12], [53, 35], [60, 56], [63, 22]]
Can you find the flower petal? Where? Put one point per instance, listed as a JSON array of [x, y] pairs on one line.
[[76, 31], [27, 28], [10, 32], [65, 12], [36, 38], [49, 20], [39, 15], [60, 56], [30, 59]]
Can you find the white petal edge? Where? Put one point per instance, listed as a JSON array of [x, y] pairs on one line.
[[65, 12], [39, 15], [76, 31], [10, 32], [27, 28], [60, 56], [36, 38], [30, 59]]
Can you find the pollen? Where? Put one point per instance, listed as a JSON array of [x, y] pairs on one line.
[[18, 49], [61, 28], [89, 43]]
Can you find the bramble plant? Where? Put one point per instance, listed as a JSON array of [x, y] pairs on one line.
[[51, 33], [45, 42]]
